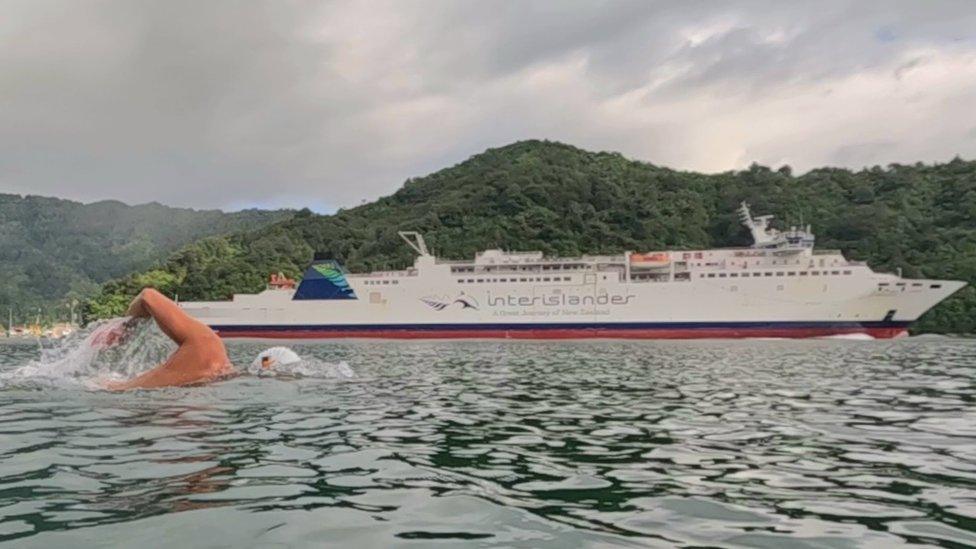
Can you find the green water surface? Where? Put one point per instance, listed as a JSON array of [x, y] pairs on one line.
[[521, 444]]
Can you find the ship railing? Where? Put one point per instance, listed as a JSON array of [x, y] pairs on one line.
[[641, 279], [586, 259], [384, 274]]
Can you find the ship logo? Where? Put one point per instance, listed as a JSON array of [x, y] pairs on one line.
[[439, 303]]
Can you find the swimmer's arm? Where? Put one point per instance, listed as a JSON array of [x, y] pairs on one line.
[[172, 320], [149, 380], [167, 374]]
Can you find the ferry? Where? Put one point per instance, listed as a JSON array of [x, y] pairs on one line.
[[780, 287]]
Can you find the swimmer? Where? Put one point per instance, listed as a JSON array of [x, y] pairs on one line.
[[200, 358], [275, 356]]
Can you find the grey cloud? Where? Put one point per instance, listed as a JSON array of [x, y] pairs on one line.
[[230, 104], [863, 153]]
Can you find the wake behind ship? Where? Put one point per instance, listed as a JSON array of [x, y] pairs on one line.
[[779, 287]]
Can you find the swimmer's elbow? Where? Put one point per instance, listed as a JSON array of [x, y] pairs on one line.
[[152, 296]]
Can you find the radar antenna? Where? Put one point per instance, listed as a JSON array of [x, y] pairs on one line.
[[415, 240]]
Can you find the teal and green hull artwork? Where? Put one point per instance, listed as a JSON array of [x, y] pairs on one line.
[[324, 280]]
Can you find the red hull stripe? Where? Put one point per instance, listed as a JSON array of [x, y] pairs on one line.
[[786, 330]]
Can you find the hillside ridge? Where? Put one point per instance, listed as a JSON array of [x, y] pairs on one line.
[[563, 200], [53, 250]]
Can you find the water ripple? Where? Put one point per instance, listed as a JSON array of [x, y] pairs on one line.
[[809, 443]]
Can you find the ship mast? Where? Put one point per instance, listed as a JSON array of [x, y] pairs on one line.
[[415, 240], [791, 241], [758, 226]]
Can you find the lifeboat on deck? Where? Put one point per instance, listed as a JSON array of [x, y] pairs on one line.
[[653, 260], [278, 281]]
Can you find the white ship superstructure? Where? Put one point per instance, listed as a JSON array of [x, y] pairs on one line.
[[779, 287]]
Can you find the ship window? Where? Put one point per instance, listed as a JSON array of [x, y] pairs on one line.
[[521, 280], [460, 281], [917, 284], [835, 272], [847, 272], [935, 286], [546, 279], [791, 273], [882, 284], [396, 281], [814, 273], [804, 273], [721, 275], [734, 275], [711, 275], [900, 284], [771, 274]]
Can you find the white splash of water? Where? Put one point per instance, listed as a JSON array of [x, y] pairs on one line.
[[850, 337], [81, 359]]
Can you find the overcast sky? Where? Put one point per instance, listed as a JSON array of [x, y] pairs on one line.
[[234, 104]]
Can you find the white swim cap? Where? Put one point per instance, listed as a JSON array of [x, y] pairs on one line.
[[276, 356]]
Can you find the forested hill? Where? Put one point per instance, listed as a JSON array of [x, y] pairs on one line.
[[556, 198], [52, 249]]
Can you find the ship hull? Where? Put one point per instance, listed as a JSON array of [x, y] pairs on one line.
[[687, 330]]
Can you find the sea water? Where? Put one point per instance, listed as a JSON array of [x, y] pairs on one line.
[[497, 443]]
